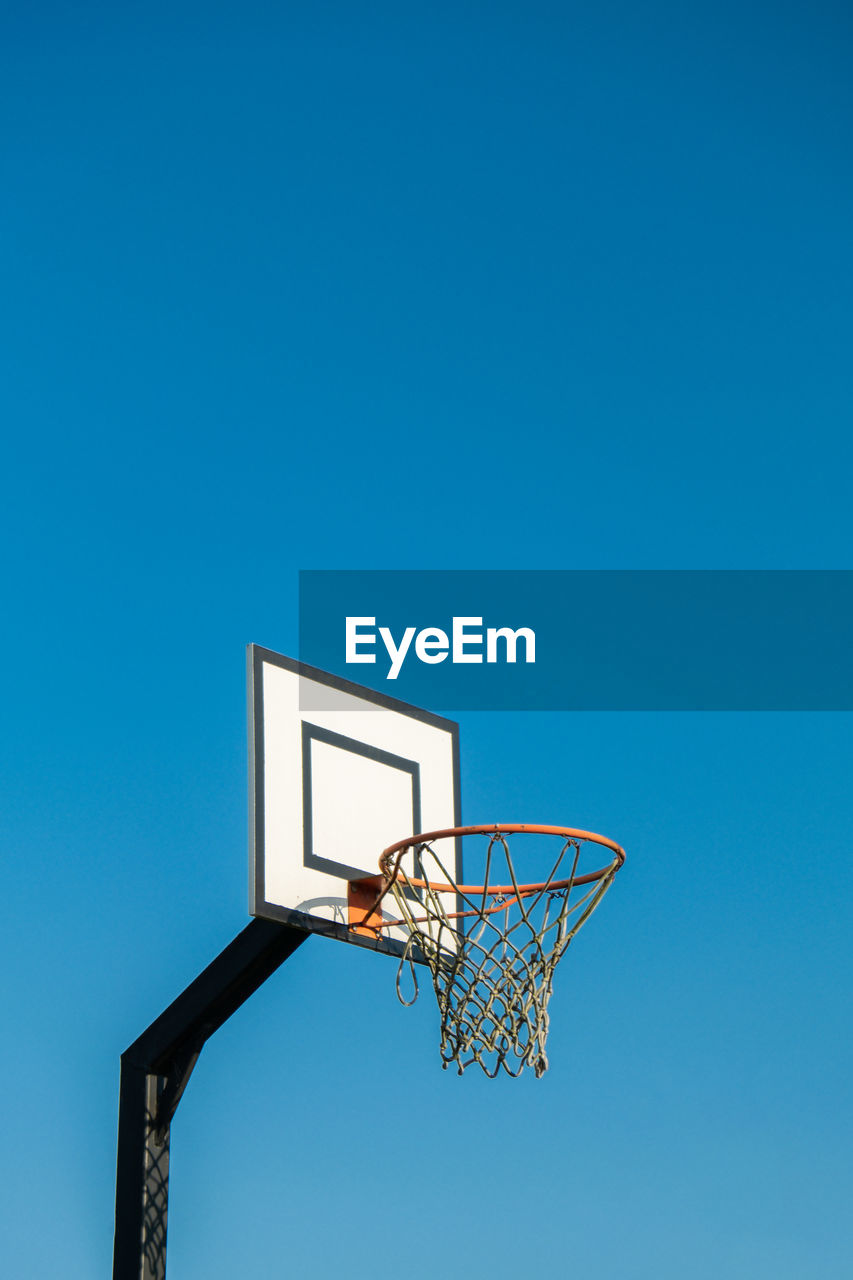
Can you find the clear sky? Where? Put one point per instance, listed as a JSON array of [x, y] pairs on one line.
[[421, 286]]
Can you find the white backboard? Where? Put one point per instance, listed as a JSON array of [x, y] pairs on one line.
[[337, 773]]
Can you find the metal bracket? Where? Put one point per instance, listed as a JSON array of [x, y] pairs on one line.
[[177, 1078]]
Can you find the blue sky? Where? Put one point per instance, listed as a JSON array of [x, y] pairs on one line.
[[552, 286]]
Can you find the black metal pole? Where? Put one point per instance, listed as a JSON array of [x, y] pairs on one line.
[[154, 1073]]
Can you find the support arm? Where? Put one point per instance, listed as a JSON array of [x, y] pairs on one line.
[[154, 1073]]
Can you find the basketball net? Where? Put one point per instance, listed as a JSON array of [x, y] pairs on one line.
[[492, 948]]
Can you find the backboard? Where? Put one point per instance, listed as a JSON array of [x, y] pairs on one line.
[[337, 773]]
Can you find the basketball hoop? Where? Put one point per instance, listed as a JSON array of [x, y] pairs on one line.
[[491, 948]]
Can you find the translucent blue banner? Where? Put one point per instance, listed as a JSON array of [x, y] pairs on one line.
[[582, 640]]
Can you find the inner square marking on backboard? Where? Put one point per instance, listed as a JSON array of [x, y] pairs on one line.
[[386, 779]]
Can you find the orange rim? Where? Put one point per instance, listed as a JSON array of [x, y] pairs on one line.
[[497, 829], [371, 921]]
